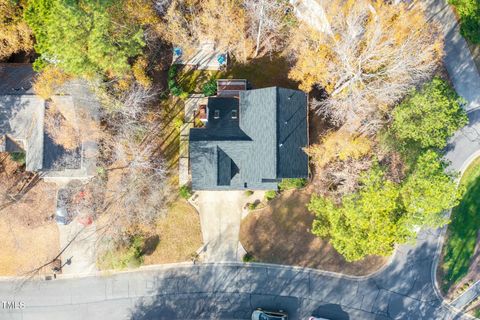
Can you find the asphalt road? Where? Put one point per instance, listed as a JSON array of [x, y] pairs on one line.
[[403, 290]]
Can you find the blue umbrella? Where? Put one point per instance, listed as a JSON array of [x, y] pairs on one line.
[[222, 59], [177, 51]]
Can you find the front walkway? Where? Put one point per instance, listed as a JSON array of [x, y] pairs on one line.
[[80, 242]]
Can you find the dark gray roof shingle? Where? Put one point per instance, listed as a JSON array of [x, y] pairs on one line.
[[255, 151]]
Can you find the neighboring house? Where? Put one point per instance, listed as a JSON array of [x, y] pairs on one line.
[[22, 127], [251, 139]]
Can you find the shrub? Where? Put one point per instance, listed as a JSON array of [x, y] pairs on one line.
[[248, 193], [172, 82], [270, 195], [184, 95], [177, 123], [185, 192], [252, 206], [139, 70], [248, 258], [49, 81], [176, 90], [469, 12], [292, 183], [127, 257], [210, 87], [18, 157]]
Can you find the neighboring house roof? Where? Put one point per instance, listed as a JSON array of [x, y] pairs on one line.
[[16, 78], [22, 119], [257, 149]]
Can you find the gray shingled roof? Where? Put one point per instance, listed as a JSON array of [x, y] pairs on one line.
[[21, 118], [16, 78], [256, 150], [22, 124]]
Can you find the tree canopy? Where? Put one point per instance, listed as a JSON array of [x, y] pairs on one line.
[[15, 36], [83, 37], [383, 213], [430, 116], [239, 27], [365, 223], [469, 12], [428, 191], [372, 53]]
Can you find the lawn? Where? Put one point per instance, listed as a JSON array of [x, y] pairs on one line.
[[462, 234], [25, 248], [179, 235], [261, 73], [28, 235], [176, 238], [280, 233], [192, 80]]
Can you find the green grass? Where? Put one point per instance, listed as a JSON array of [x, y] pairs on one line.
[[192, 81], [263, 72], [463, 230], [292, 183], [122, 258]]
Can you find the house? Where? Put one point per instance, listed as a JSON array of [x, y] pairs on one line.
[[251, 139], [22, 127]]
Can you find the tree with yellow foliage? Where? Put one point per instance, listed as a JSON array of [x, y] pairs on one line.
[[15, 35], [188, 23], [49, 81], [339, 145], [373, 55]]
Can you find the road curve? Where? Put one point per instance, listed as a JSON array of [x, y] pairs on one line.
[[404, 290]]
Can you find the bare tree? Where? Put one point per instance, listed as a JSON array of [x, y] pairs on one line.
[[376, 53], [134, 180], [266, 22]]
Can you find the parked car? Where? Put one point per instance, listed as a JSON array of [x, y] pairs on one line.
[[316, 318], [61, 216], [260, 314]]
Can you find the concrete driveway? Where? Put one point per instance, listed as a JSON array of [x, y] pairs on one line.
[[220, 217], [80, 242]]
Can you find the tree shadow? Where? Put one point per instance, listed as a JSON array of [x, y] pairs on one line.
[[150, 245], [267, 71]]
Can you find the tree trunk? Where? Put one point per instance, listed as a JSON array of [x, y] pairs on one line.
[[259, 31]]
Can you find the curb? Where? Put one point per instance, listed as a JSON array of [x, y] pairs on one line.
[[441, 243]]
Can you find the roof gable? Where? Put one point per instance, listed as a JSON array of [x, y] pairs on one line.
[[268, 146]]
